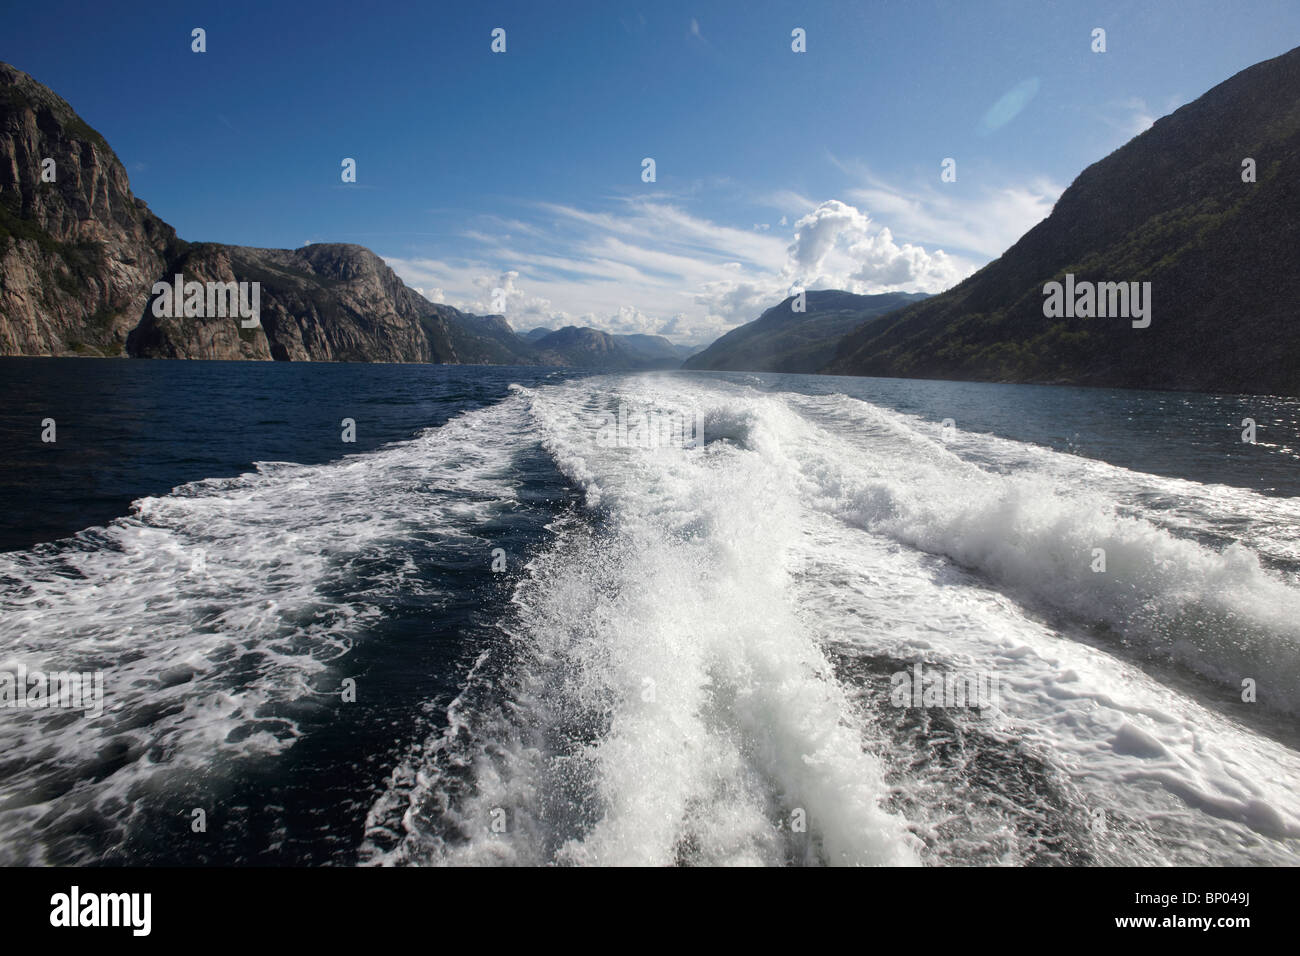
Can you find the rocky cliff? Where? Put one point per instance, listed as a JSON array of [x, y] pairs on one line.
[[324, 302], [79, 257]]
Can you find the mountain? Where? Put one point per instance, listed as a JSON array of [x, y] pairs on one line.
[[1169, 208], [783, 340], [485, 339], [581, 347], [654, 351], [589, 347], [577, 347], [324, 302], [79, 257]]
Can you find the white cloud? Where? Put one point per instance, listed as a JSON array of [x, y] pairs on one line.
[[835, 246], [839, 246], [788, 202], [1134, 115], [646, 264], [1138, 116], [635, 268], [984, 225]]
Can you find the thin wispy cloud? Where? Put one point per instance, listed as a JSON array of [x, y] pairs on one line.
[[975, 227], [649, 265], [1134, 115]]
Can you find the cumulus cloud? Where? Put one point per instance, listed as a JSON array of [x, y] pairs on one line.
[[729, 302], [645, 264], [631, 320], [835, 246], [838, 245], [500, 294]]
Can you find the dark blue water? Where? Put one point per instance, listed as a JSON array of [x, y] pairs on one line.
[[1176, 434], [128, 429], [372, 562]]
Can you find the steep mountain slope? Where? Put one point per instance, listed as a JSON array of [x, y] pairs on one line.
[[1169, 208], [79, 258], [577, 347], [591, 348], [782, 340], [481, 339], [77, 255], [324, 302]]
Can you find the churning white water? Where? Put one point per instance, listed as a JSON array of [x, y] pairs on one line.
[[700, 662], [699, 669]]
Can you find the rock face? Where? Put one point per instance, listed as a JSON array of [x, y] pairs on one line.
[[783, 340], [324, 302], [79, 258], [79, 254], [485, 339], [1169, 208]]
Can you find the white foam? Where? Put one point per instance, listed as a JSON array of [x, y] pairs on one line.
[[691, 671], [669, 698], [252, 587], [1033, 532], [812, 530]]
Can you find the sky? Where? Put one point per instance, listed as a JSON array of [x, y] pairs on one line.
[[516, 178]]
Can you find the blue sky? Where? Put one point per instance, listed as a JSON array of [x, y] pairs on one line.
[[522, 170]]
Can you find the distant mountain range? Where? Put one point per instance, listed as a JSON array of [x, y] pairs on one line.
[[79, 257], [1197, 220], [783, 340], [1222, 257], [490, 340], [591, 348]]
